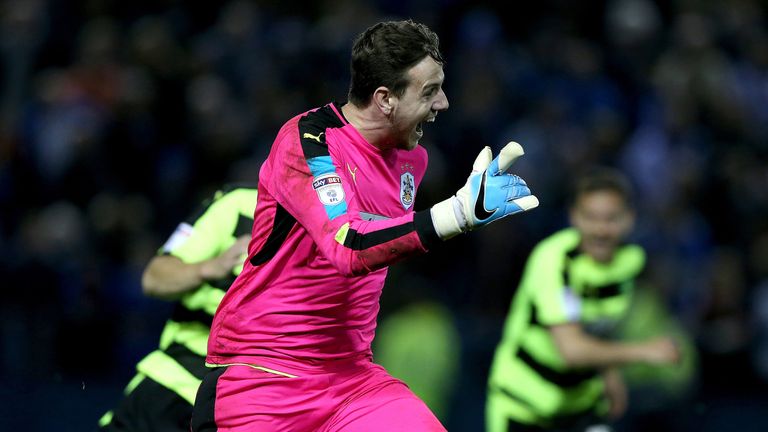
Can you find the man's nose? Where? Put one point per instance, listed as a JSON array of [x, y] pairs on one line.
[[441, 103]]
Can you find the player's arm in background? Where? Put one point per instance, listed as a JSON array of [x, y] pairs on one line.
[[559, 310], [580, 349], [196, 252]]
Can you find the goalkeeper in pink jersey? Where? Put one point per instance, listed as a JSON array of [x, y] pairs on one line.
[[290, 344]]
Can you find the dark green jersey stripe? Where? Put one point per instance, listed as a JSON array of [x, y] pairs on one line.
[[570, 255], [223, 283], [534, 320], [562, 420], [511, 394], [565, 379], [602, 292], [192, 362], [183, 314]]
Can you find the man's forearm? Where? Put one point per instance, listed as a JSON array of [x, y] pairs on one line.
[[581, 350], [168, 277]]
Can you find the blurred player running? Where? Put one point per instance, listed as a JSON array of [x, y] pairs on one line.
[[196, 266], [555, 367]]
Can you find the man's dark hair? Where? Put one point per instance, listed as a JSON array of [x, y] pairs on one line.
[[598, 179], [384, 52]]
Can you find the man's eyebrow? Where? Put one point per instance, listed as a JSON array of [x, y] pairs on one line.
[[429, 87]]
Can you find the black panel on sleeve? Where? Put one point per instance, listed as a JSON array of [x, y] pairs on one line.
[[425, 228], [283, 223]]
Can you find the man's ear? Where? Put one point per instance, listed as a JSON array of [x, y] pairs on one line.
[[382, 98]]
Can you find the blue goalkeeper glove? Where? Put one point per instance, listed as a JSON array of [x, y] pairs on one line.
[[489, 194]]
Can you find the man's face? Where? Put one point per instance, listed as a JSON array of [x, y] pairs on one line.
[[421, 101], [603, 219]]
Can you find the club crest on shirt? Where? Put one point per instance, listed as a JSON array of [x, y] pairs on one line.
[[329, 188], [407, 189]]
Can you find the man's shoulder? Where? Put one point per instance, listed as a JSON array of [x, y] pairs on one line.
[[321, 118], [238, 198], [561, 241], [553, 249], [630, 257], [309, 128]]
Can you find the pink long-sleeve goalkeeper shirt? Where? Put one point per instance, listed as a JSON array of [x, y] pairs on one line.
[[333, 212]]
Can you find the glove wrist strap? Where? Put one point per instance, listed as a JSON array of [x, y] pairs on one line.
[[448, 218]]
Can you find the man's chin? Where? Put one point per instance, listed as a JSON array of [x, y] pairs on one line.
[[602, 253]]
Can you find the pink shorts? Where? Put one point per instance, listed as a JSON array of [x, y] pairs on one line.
[[352, 397]]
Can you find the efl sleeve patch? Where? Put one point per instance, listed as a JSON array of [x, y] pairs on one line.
[[327, 183], [329, 189]]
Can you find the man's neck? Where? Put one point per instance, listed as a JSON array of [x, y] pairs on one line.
[[372, 125]]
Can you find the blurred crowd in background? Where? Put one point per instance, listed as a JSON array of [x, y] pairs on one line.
[[118, 118]]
